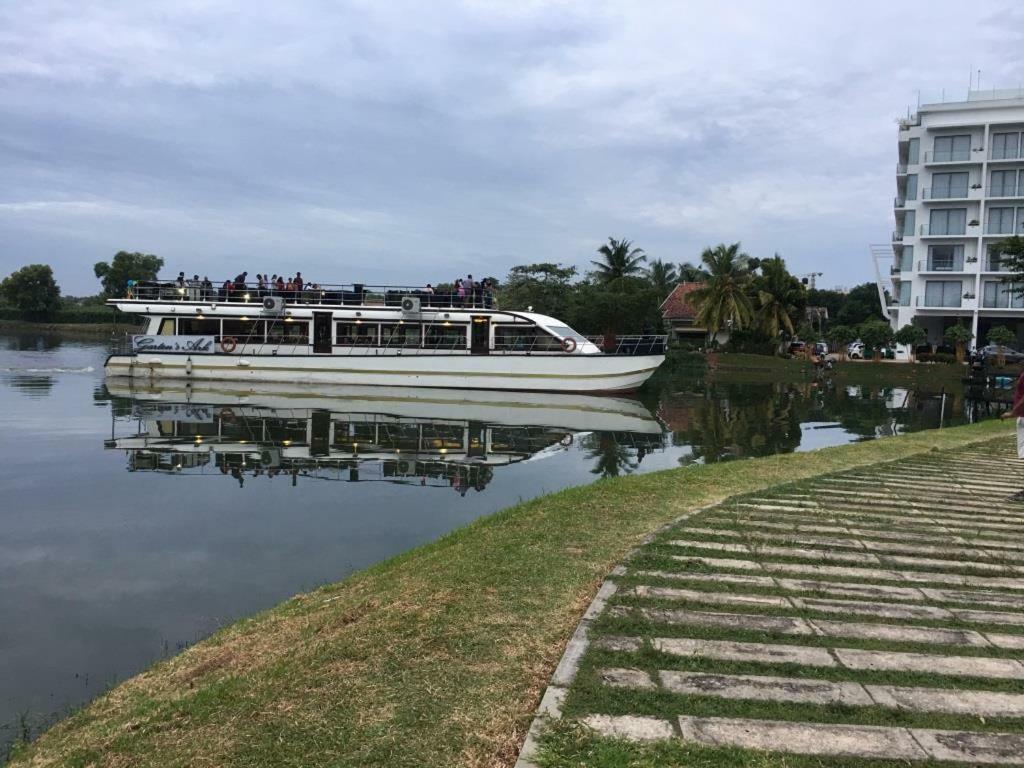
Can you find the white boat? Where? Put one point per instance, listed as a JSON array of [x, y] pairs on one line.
[[355, 335]]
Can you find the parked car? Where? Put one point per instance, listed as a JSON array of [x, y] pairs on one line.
[[797, 347], [820, 348], [991, 352], [855, 351]]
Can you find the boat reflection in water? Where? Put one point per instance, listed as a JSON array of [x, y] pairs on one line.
[[434, 438]]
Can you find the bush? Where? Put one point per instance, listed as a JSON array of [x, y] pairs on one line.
[[936, 357], [750, 342]]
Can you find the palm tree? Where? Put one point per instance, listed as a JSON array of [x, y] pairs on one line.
[[662, 275], [722, 300], [691, 273], [779, 296], [620, 260]]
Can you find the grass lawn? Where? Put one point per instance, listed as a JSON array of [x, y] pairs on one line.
[[437, 657]]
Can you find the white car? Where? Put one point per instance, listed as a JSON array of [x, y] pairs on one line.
[[856, 350]]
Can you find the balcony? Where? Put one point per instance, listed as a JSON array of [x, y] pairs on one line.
[[951, 156], [1005, 191], [945, 193], [899, 202], [1008, 154], [925, 231], [901, 169]]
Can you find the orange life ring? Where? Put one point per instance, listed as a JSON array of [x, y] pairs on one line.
[[228, 344], [569, 345]]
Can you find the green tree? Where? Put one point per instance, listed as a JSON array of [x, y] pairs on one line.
[[876, 334], [1011, 259], [860, 304], [126, 266], [832, 301], [32, 291], [691, 273], [841, 336], [546, 287], [959, 336], [619, 259], [1002, 337], [722, 300], [626, 305], [911, 336], [780, 298], [663, 277]]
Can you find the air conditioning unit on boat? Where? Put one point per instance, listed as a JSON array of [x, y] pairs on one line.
[[406, 468], [410, 305], [273, 304]]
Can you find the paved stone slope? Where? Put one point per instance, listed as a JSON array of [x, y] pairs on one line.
[[876, 613]]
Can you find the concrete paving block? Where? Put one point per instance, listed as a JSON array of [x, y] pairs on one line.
[[765, 688], [727, 650], [990, 617], [898, 634], [866, 608], [630, 727], [618, 643], [967, 666], [714, 532], [817, 554], [719, 562], [618, 677], [841, 589], [866, 741], [978, 596], [952, 701], [783, 625], [952, 565], [838, 570], [971, 747], [716, 598], [718, 546], [724, 578], [1001, 640]]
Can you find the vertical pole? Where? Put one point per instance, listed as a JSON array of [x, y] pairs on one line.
[[942, 409]]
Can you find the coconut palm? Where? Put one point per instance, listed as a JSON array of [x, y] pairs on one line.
[[691, 273], [779, 296], [722, 300], [662, 275], [620, 259]]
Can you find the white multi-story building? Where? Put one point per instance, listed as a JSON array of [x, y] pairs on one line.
[[959, 192]]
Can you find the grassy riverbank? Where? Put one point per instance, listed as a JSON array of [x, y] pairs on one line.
[[91, 330], [436, 657]]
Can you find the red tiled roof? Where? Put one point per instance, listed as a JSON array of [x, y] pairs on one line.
[[677, 306]]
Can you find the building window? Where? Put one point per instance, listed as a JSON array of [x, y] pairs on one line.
[[907, 259], [943, 293], [1000, 221], [1003, 184], [948, 221], [905, 294], [952, 148], [1000, 295], [909, 222], [1020, 221], [993, 258], [1004, 146], [948, 185], [911, 187], [913, 151], [945, 258]]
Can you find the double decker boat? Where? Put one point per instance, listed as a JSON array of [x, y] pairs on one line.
[[364, 335]]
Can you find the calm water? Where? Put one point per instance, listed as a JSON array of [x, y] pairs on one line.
[[133, 523]]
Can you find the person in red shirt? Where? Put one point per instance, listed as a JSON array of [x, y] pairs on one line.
[[1018, 412]]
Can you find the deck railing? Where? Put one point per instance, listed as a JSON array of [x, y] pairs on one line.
[[641, 344]]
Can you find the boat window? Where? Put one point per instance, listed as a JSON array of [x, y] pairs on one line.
[[524, 338], [166, 327], [194, 326], [445, 336], [401, 334], [357, 334], [285, 332], [442, 436], [246, 331], [565, 332]]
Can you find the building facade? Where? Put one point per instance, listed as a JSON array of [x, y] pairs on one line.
[[959, 193]]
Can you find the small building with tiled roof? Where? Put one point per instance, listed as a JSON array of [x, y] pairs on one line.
[[679, 314]]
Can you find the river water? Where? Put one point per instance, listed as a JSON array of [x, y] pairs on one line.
[[136, 521]]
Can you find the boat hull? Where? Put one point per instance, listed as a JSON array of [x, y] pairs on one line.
[[546, 373]]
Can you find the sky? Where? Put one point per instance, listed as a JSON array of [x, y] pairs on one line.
[[405, 143]]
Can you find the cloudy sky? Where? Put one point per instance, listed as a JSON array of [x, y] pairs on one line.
[[395, 142]]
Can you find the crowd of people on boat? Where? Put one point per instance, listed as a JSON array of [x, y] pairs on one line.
[[461, 292]]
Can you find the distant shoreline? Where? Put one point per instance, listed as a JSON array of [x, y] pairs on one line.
[[70, 329]]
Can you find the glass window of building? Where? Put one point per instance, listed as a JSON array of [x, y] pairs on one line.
[[945, 258], [909, 222], [1003, 184], [949, 185], [999, 295], [907, 258], [1005, 145], [943, 293], [1000, 221], [913, 151], [911, 187], [948, 221], [952, 148], [905, 293]]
